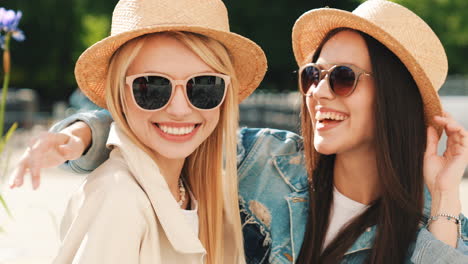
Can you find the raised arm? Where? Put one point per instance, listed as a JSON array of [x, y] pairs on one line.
[[445, 240]]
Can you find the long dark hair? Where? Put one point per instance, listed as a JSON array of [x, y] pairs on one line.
[[400, 142]]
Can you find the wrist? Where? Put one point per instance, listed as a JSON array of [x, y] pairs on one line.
[[447, 202], [81, 130]]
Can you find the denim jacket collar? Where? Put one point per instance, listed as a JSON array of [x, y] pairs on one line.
[[298, 202], [366, 240]]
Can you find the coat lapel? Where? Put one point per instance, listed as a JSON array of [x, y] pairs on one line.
[[167, 210]]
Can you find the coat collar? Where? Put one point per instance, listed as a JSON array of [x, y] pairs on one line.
[[148, 176]]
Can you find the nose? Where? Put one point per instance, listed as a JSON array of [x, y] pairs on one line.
[[322, 90], [179, 106]]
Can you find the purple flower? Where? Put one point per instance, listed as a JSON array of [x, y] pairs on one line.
[[9, 21]]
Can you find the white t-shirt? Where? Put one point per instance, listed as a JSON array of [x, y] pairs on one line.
[[342, 211], [192, 215]]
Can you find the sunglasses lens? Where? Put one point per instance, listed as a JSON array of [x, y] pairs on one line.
[[342, 80], [310, 76], [151, 92], [206, 91]]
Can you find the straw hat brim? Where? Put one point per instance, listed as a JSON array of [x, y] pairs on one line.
[[248, 59], [325, 19]]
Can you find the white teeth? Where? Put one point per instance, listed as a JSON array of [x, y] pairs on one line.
[[320, 116], [177, 130]]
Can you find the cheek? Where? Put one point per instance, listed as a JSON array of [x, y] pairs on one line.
[[136, 118], [212, 118], [310, 103], [362, 111]]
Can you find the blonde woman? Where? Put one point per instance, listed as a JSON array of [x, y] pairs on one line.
[[171, 75], [363, 146]]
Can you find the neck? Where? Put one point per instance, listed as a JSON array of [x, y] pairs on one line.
[[356, 175]]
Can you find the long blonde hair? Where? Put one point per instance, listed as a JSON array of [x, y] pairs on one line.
[[214, 185]]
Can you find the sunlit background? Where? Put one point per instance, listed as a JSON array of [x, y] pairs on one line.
[[42, 82]]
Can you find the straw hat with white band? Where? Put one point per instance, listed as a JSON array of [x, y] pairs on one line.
[[396, 27], [134, 18]]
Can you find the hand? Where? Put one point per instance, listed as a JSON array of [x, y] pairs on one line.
[[443, 174], [50, 150]]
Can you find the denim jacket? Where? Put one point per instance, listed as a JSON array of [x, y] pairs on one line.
[[273, 197], [274, 200]]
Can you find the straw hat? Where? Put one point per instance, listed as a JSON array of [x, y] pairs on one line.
[[133, 18], [396, 27]]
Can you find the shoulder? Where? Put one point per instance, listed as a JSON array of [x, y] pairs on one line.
[[114, 181], [267, 140], [271, 157], [111, 192]]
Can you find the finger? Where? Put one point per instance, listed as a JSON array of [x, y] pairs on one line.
[[450, 125], [16, 179], [33, 140], [440, 120], [432, 141], [454, 127], [35, 176], [447, 115]]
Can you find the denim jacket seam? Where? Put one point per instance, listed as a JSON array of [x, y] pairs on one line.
[[278, 250], [277, 167], [288, 199], [249, 153], [296, 138], [357, 250], [76, 168]]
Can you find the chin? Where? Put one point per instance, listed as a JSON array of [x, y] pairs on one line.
[[174, 155], [173, 152], [325, 148]]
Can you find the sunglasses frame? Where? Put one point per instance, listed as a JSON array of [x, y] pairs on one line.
[[174, 83], [326, 74]]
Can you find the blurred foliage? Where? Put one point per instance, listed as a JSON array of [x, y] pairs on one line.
[[449, 20], [59, 30]]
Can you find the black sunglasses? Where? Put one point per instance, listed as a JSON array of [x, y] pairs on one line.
[[154, 91]]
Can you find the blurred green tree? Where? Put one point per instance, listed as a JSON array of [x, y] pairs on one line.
[[269, 23], [59, 31]]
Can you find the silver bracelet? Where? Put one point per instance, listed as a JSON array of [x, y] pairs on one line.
[[449, 217]]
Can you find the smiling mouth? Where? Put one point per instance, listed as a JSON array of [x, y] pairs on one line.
[[177, 131], [329, 117]]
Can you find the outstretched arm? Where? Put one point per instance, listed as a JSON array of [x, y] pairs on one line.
[[77, 142]]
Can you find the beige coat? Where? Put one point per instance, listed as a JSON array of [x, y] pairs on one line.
[[125, 213]]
